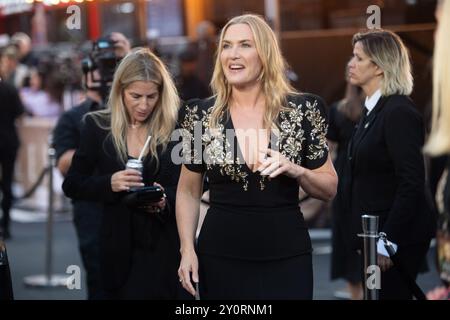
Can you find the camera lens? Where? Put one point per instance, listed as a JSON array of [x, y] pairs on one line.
[[103, 44]]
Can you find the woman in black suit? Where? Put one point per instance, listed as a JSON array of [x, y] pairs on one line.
[[139, 246], [386, 168]]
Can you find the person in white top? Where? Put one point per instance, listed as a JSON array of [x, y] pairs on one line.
[[37, 101]]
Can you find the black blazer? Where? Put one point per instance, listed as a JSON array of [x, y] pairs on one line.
[[11, 108], [386, 175], [89, 178]]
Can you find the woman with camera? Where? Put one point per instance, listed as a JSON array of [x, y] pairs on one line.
[[139, 242]]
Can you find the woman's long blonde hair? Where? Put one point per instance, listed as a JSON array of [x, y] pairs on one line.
[[273, 79], [439, 140], [142, 65]]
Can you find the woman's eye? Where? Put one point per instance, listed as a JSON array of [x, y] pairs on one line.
[[135, 96], [246, 45], [225, 46]]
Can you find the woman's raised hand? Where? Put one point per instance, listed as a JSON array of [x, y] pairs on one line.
[[276, 164], [125, 179], [157, 206]]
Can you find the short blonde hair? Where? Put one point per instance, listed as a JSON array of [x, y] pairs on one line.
[[439, 140], [275, 85], [142, 65], [387, 51]]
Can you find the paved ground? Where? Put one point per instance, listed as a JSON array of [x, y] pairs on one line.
[[26, 251]]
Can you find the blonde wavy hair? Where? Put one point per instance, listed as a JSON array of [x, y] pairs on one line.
[[273, 79], [439, 139], [387, 51], [141, 65]]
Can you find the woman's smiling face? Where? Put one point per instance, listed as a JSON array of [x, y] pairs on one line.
[[239, 58]]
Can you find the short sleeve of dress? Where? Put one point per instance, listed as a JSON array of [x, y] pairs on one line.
[[191, 127], [333, 129], [315, 128]]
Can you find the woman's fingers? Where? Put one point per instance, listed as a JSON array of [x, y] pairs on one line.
[[131, 172], [277, 164], [158, 185], [125, 179], [271, 168], [188, 266], [132, 175], [131, 178], [266, 163], [155, 207], [186, 281], [277, 172], [274, 159], [162, 203], [150, 209]]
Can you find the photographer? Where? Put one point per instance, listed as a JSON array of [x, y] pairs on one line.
[[66, 139]]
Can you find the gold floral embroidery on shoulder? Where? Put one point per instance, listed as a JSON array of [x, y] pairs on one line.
[[291, 134], [316, 150], [189, 122], [190, 118], [217, 149]]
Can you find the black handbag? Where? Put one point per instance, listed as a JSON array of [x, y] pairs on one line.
[[143, 196]]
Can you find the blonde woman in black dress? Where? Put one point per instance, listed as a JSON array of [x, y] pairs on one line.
[[254, 243]]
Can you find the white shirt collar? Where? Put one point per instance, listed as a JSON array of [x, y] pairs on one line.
[[372, 101]]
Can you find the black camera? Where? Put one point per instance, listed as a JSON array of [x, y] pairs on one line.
[[103, 59]]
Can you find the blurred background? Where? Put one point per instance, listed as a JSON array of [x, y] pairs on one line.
[[315, 36]]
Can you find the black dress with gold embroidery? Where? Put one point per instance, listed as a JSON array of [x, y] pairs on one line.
[[252, 217]]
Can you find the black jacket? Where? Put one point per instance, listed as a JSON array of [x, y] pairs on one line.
[[67, 132], [89, 178], [11, 108], [386, 175]]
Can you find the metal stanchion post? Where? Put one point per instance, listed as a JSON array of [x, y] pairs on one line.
[[370, 237], [48, 279]]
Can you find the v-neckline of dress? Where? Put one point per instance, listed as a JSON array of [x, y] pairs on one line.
[[240, 155]]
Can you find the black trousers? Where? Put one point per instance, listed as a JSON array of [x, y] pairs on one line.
[[7, 162], [87, 220], [233, 279]]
